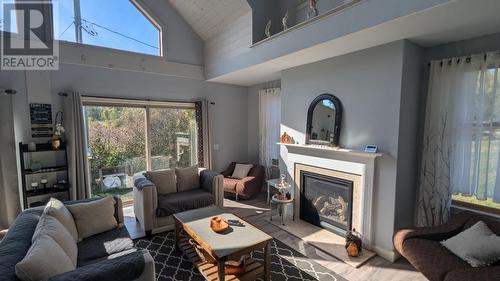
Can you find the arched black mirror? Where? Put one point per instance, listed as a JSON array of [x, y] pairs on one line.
[[324, 118]]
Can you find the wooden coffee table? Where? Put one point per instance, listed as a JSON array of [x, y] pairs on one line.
[[220, 247]]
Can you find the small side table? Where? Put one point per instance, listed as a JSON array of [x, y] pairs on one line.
[[281, 206], [272, 183]]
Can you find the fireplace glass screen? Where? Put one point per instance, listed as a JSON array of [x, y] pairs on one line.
[[326, 202]]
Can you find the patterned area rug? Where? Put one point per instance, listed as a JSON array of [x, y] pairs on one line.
[[286, 263]]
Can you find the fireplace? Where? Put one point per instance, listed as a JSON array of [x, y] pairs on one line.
[[326, 201]]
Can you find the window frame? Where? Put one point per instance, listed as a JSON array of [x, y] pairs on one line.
[[147, 105], [9, 33], [144, 11], [153, 21], [473, 207]]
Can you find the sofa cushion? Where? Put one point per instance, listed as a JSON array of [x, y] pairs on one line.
[[57, 209], [425, 255], [164, 180], [230, 184], [17, 242], [187, 178], [477, 245], [241, 170], [124, 268], [182, 201], [207, 179], [104, 244], [94, 217], [44, 259], [50, 226]]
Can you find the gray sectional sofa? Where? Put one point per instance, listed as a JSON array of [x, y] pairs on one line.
[[106, 256]]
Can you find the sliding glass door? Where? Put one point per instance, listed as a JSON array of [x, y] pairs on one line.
[[127, 139], [172, 137]]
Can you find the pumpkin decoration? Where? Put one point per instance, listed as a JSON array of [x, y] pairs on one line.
[[352, 250], [353, 244], [218, 224], [286, 138]]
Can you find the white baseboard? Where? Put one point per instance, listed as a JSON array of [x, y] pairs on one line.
[[390, 255]]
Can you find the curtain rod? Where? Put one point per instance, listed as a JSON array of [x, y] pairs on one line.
[[64, 94], [467, 59], [10, 92], [272, 85]]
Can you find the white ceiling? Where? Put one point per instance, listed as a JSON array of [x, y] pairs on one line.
[[210, 17]]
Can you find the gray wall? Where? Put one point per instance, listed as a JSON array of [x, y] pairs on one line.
[[409, 136], [471, 46], [181, 44], [375, 87]]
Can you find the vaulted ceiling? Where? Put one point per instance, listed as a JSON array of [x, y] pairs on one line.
[[210, 17]]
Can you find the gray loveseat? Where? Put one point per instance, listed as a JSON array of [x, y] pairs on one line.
[[154, 211], [106, 256]]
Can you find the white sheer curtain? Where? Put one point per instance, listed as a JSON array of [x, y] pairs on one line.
[[462, 135], [269, 126]]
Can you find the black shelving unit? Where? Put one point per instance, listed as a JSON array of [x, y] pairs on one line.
[[25, 172]]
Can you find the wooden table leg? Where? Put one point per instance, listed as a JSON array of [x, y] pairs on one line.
[[177, 230], [267, 261], [221, 264]]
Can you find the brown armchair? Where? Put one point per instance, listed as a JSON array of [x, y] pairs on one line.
[[421, 247], [246, 187]]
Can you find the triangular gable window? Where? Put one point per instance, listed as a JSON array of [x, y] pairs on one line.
[[116, 24]]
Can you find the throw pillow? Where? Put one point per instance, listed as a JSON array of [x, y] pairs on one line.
[[50, 226], [59, 211], [94, 217], [44, 259], [477, 245], [164, 180], [241, 170], [187, 178]]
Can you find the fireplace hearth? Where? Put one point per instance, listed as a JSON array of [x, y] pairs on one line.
[[326, 201]]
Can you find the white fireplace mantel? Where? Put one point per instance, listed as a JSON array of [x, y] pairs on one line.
[[334, 150], [343, 160]]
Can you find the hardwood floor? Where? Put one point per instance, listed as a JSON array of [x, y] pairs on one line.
[[255, 211]]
